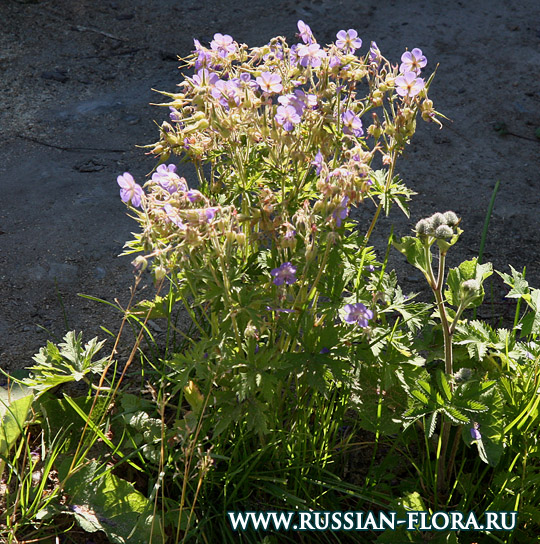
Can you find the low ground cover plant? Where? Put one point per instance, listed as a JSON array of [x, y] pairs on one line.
[[306, 379]]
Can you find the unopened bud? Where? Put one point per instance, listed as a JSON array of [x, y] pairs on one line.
[[470, 287], [437, 220], [423, 228], [160, 272], [443, 231], [139, 263], [451, 218]]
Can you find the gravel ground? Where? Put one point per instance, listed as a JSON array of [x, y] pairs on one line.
[[76, 79]]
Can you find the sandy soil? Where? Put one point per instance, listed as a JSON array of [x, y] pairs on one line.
[[76, 79]]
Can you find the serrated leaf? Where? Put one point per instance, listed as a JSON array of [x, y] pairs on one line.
[[426, 386], [418, 395], [474, 406], [432, 423], [443, 385], [414, 251], [455, 415]]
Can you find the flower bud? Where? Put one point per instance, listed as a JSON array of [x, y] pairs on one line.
[[139, 263], [423, 227], [443, 231], [470, 288], [451, 218], [160, 272], [437, 220]]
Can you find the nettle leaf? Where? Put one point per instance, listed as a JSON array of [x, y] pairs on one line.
[[517, 282], [418, 395], [414, 251], [531, 321]]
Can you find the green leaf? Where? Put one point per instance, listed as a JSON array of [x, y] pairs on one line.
[[418, 395], [517, 282], [15, 404], [432, 423], [414, 251], [443, 384], [455, 415], [100, 501]]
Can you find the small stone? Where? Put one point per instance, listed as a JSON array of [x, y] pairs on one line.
[[125, 16], [132, 119], [100, 272], [55, 75]]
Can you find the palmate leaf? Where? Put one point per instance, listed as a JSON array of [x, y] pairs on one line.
[[67, 362], [396, 192]]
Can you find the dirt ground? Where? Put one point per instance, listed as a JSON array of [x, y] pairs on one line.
[[76, 79]]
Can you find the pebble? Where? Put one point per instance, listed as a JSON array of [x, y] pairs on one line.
[[55, 75], [100, 272]]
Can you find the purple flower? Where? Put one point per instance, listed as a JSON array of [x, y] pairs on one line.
[[172, 215], [284, 274], [245, 78], [209, 214], [299, 100], [287, 117], [412, 61], [194, 195], [223, 44], [227, 91], [269, 83], [204, 77], [349, 41], [475, 433], [166, 176], [304, 32], [294, 54], [310, 55], [318, 162], [357, 313], [175, 115], [352, 124], [334, 62], [342, 211], [203, 56], [408, 84], [374, 54], [130, 192]]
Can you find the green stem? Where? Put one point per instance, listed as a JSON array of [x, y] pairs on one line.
[[379, 207]]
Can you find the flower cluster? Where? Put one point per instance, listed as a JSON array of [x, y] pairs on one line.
[[440, 225], [283, 138]]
